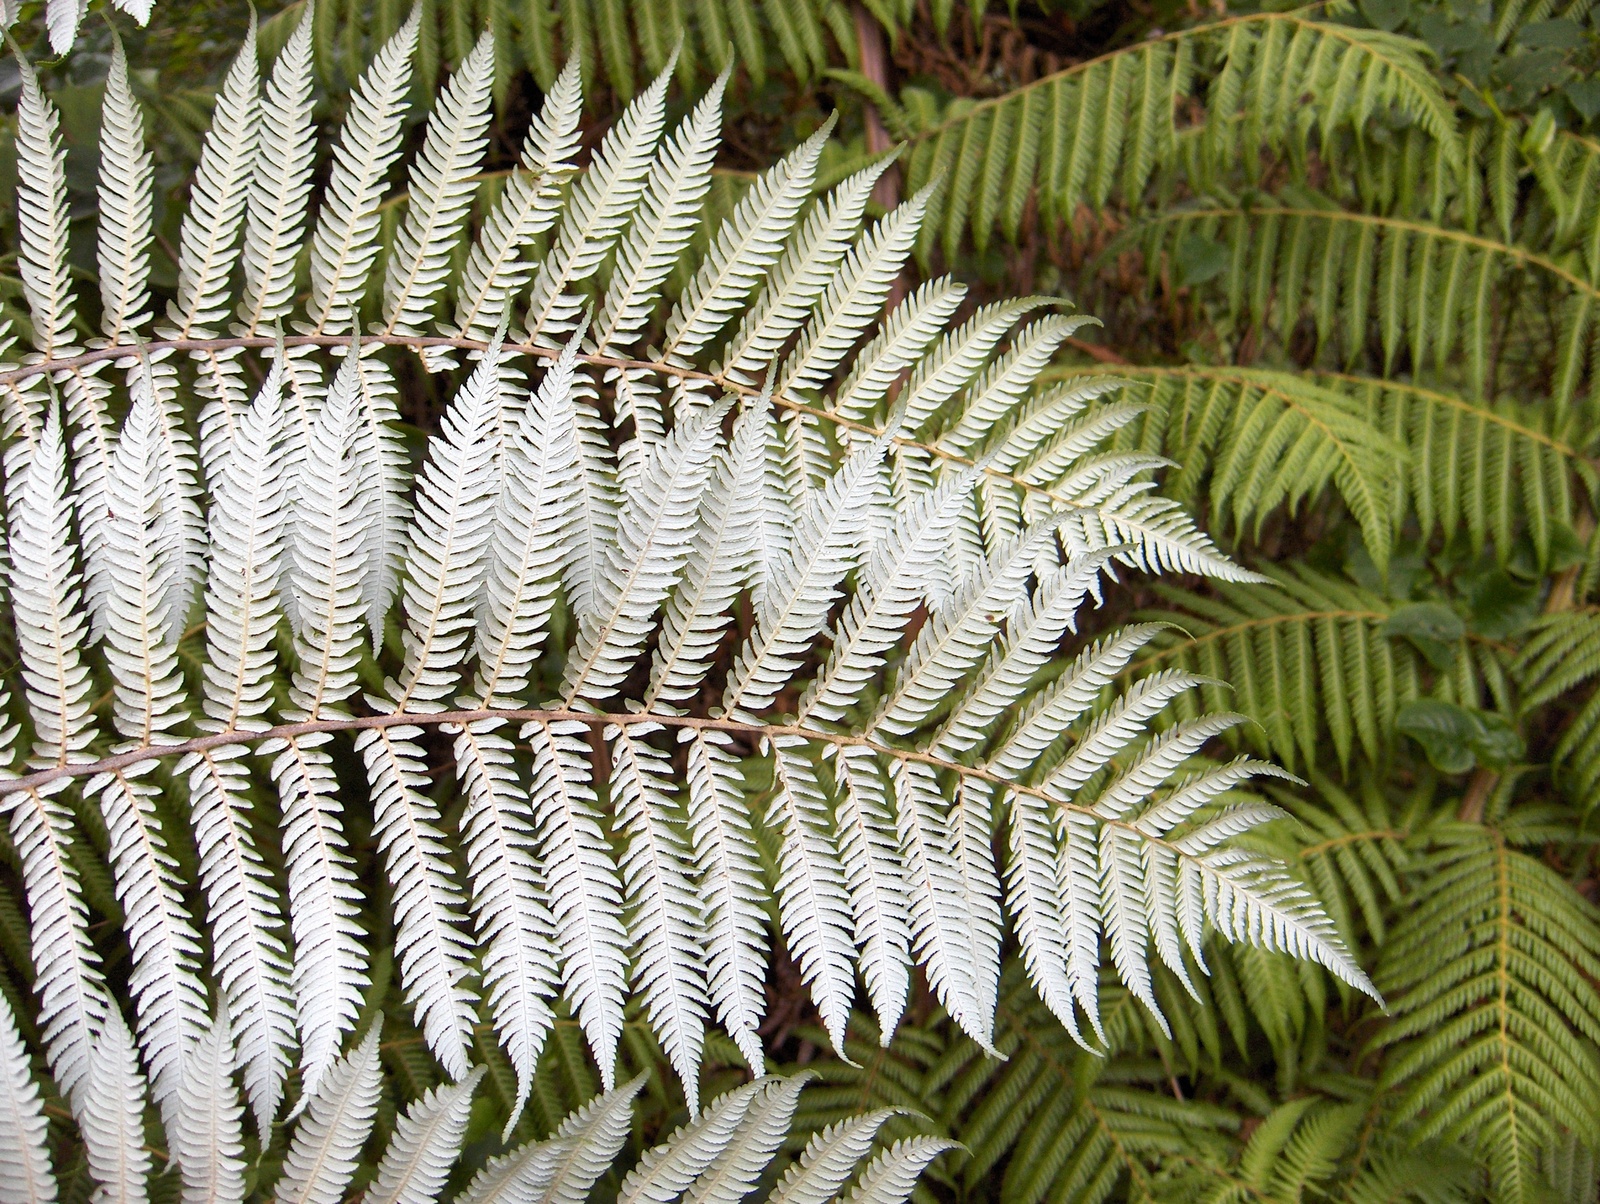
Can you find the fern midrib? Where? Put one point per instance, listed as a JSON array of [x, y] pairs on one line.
[[10, 376], [1482, 413], [119, 761]]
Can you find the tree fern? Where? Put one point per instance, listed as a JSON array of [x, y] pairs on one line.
[[1491, 974]]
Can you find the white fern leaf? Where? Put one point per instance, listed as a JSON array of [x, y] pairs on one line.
[[533, 531], [802, 273], [1158, 760], [1201, 789], [600, 204], [595, 488], [773, 501], [854, 297], [1034, 901], [25, 1175], [804, 584], [757, 1139], [63, 17], [123, 252], [141, 560], [1251, 899], [872, 867], [668, 212], [42, 217], [248, 517], [447, 542], [241, 623], [244, 918], [1117, 727], [1078, 883], [814, 908], [68, 980], [345, 241], [563, 1169], [960, 355], [209, 240], [906, 333], [666, 1170], [280, 184], [1031, 639], [665, 922], [1053, 430], [46, 609], [654, 529], [440, 190], [1153, 534], [426, 1142], [431, 945], [941, 923], [888, 589], [448, 537], [1124, 908], [829, 1159], [585, 892], [890, 1176], [333, 1127], [168, 997], [996, 392], [698, 612], [1069, 698], [733, 892], [514, 924], [206, 1138], [959, 634], [330, 956], [971, 851], [111, 1118], [329, 557], [747, 244], [180, 481], [530, 204]]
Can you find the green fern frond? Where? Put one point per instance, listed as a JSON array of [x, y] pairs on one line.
[[1421, 286], [1495, 1016], [1074, 137]]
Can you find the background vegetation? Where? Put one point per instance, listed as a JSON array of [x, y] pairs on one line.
[[1348, 261]]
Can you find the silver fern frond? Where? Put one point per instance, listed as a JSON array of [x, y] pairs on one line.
[[645, 669]]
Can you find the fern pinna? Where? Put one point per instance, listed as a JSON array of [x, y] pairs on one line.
[[789, 570]]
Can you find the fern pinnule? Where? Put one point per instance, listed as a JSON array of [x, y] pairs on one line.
[[345, 241], [679, 178], [733, 891], [124, 207], [440, 190], [207, 1140], [800, 275], [425, 1144], [530, 204], [111, 1117], [585, 888], [665, 908], [600, 205], [24, 1158], [746, 245], [334, 1124], [280, 184]]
